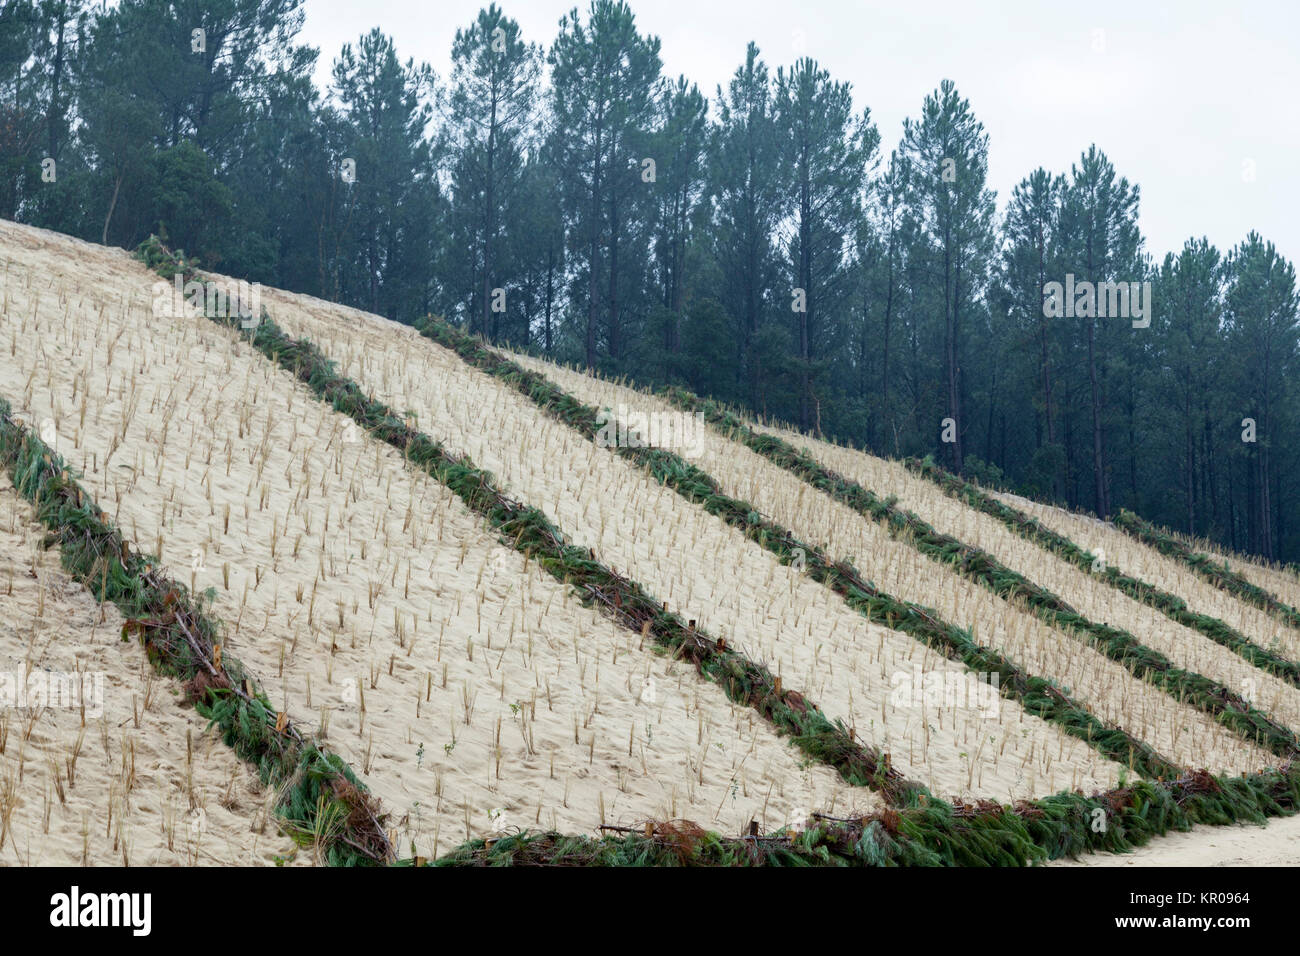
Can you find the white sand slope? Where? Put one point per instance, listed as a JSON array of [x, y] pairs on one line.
[[1277, 844], [1086, 592], [471, 692], [1132, 557], [469, 689], [134, 777], [701, 566], [1176, 730]]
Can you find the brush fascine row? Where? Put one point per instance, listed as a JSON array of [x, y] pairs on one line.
[[528, 531], [1038, 696], [323, 804]]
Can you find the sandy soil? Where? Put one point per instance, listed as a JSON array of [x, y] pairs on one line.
[[471, 692], [1179, 731], [1132, 557], [122, 773], [709, 571], [1089, 594], [1281, 581], [1277, 844]]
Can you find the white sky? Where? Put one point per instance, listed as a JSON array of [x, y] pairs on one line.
[[1181, 96]]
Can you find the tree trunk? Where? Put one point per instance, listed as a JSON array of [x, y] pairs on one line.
[[889, 314], [805, 282], [112, 204], [950, 356], [615, 338], [1098, 458], [593, 255], [550, 276], [53, 118], [490, 325], [1044, 361]]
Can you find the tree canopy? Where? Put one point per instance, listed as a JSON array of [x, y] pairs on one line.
[[751, 242]]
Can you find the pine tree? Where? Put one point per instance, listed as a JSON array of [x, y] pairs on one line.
[[830, 155], [1029, 261], [746, 171], [1262, 308], [946, 152], [385, 114], [493, 92], [678, 149], [604, 86], [1099, 219]]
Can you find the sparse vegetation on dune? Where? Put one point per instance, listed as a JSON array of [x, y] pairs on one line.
[[101, 767], [895, 562], [1283, 580], [1170, 572], [1156, 657], [742, 595], [1217, 570], [1094, 607], [462, 680], [1123, 550], [1144, 573], [316, 795], [578, 683], [961, 834], [347, 552]]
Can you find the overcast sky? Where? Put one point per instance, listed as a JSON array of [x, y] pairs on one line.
[[1195, 102]]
